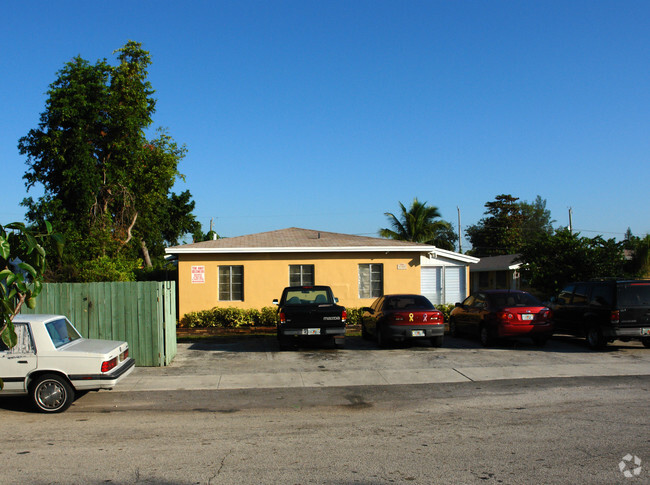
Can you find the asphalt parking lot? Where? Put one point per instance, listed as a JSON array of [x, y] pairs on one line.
[[256, 362]]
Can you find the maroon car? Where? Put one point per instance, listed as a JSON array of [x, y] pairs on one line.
[[400, 318], [494, 314]]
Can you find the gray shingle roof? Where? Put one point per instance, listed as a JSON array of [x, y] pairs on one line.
[[294, 237]]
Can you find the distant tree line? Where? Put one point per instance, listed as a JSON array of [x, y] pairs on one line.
[[551, 256]]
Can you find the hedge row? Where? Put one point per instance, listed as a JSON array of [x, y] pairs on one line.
[[266, 317]]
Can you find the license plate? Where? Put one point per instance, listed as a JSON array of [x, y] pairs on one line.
[[417, 333], [527, 316], [311, 331], [645, 331]]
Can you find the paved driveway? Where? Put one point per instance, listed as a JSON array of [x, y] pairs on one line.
[[247, 362]]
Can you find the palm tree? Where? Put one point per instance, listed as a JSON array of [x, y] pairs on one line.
[[419, 224]]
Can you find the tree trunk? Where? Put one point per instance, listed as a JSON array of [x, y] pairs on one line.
[[145, 254]]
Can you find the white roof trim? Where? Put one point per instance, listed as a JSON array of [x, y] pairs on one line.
[[341, 249], [436, 252]]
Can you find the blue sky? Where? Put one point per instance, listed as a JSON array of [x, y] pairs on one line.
[[325, 115]]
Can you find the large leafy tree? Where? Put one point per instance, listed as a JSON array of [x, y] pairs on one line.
[[107, 187], [509, 224], [500, 232], [420, 223], [553, 260]]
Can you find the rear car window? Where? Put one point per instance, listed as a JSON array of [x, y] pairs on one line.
[[61, 332], [634, 295], [408, 303], [513, 300], [307, 297]]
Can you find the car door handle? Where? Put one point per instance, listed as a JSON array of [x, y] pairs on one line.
[[23, 362]]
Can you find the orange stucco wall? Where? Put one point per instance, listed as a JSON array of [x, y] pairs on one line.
[[265, 275]]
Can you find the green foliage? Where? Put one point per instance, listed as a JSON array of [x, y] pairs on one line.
[[552, 261], [109, 269], [354, 316], [446, 310], [419, 224], [107, 188], [22, 263], [230, 318]]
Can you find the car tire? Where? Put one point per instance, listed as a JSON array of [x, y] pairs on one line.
[[453, 328], [51, 393], [364, 333], [485, 336], [540, 341], [437, 341], [646, 342], [381, 339], [284, 343], [595, 338]]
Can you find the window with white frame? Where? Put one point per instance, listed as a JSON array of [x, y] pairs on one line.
[[301, 275], [371, 280], [231, 283]]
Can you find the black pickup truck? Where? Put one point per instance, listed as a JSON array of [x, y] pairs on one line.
[[310, 312]]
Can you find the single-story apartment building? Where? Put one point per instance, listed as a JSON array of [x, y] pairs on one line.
[[250, 271]]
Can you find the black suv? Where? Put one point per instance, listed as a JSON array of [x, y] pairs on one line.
[[603, 311]]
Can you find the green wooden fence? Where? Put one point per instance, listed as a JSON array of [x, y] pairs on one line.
[[142, 313]]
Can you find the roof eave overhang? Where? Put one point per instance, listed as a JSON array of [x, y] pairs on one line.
[[342, 249], [437, 252]]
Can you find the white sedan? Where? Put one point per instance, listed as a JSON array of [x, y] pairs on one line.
[[52, 362]]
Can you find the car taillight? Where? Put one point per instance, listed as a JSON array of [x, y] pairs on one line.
[[436, 317], [283, 319], [505, 316], [615, 317], [344, 316], [109, 364], [546, 314]]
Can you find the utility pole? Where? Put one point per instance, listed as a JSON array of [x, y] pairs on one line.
[[460, 243], [570, 220]]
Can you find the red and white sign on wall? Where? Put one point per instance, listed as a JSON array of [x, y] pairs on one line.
[[198, 274]]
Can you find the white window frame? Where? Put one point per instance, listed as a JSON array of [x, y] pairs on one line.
[[371, 280], [302, 274], [230, 291]]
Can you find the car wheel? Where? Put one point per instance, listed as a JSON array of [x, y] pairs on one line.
[[284, 343], [486, 336], [540, 341], [364, 333], [51, 394], [436, 341], [646, 342], [595, 338], [453, 328], [381, 340]]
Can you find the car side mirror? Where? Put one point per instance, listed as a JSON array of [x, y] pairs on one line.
[[458, 305], [336, 300], [367, 309], [275, 302]]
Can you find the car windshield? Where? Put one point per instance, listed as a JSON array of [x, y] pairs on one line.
[[61, 332], [409, 302], [502, 300], [309, 296], [634, 294]]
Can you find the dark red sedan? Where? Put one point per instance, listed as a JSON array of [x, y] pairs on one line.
[[399, 318], [494, 314]]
